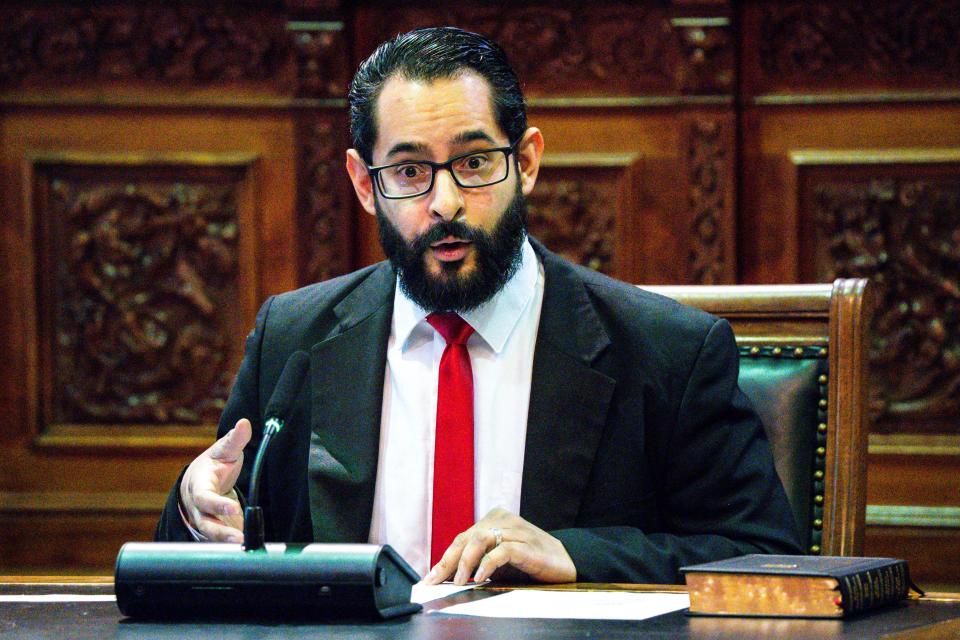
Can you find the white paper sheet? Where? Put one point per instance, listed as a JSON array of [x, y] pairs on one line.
[[426, 592], [58, 597], [594, 605]]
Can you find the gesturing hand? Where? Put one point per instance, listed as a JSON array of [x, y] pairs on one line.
[[523, 546], [206, 490]]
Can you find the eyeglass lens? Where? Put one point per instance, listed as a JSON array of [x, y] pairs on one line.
[[475, 170]]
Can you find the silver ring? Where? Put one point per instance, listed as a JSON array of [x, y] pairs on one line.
[[497, 535]]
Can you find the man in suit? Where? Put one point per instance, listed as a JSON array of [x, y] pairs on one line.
[[567, 425]]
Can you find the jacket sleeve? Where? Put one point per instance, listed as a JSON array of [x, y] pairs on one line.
[[242, 403], [718, 494]]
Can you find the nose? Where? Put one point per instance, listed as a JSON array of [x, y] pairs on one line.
[[447, 200]]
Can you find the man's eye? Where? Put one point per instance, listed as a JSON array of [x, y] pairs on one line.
[[409, 171], [474, 163]]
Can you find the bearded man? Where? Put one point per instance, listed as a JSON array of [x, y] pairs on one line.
[[477, 402]]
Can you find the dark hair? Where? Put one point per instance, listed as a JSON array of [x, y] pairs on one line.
[[427, 55]]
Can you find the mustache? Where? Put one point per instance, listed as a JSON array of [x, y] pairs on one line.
[[442, 230]]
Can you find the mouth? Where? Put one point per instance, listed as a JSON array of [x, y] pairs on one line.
[[450, 249]]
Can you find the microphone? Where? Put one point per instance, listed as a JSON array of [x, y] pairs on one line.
[[281, 401], [177, 580]]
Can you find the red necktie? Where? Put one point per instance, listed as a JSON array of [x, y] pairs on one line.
[[453, 443]]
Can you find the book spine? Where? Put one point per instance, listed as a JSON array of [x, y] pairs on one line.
[[874, 587]]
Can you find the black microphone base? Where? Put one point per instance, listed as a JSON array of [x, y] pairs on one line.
[[162, 580]]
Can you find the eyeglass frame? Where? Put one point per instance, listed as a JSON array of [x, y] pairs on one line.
[[448, 165]]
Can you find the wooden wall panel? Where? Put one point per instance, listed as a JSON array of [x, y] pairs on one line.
[[683, 183], [849, 134], [891, 216], [326, 202], [139, 262], [87, 194], [582, 205], [845, 49]]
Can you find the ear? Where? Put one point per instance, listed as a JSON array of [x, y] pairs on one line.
[[529, 153], [360, 178]]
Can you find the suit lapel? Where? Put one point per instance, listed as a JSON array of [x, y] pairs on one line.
[[347, 372], [569, 400]]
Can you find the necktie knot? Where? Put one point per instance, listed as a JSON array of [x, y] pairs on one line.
[[453, 328]]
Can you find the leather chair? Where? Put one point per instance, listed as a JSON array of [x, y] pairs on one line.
[[803, 364]]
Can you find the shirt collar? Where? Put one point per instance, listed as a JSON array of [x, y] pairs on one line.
[[493, 321]]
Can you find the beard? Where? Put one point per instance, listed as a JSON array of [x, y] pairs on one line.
[[496, 259]]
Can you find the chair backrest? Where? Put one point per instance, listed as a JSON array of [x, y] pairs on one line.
[[803, 364]]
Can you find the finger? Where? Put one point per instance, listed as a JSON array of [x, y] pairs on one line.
[[229, 448], [217, 531], [209, 502], [482, 540], [449, 561], [497, 557]]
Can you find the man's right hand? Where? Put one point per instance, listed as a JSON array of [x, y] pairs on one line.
[[206, 490]]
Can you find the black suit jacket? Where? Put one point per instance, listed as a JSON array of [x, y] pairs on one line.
[[642, 455]]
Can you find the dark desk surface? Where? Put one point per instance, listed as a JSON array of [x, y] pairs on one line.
[[925, 618]]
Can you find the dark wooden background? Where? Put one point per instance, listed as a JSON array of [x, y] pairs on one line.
[[165, 166]]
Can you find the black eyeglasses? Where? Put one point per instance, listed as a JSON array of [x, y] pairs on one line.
[[470, 171]]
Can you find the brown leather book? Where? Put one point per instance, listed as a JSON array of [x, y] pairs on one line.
[[795, 586]]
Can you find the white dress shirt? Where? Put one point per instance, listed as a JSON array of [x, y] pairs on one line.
[[501, 356]]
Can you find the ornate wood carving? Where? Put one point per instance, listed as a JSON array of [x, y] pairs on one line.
[[140, 293], [324, 216], [903, 232], [898, 42], [707, 64], [196, 44], [574, 218], [321, 61], [614, 49], [709, 166]]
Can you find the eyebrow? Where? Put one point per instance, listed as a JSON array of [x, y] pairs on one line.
[[406, 147], [472, 136], [462, 138]]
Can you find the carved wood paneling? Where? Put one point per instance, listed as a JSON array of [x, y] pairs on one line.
[[900, 226], [139, 284], [575, 218], [616, 48], [579, 204], [811, 46], [214, 43], [326, 204], [322, 62], [710, 167], [707, 51]]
